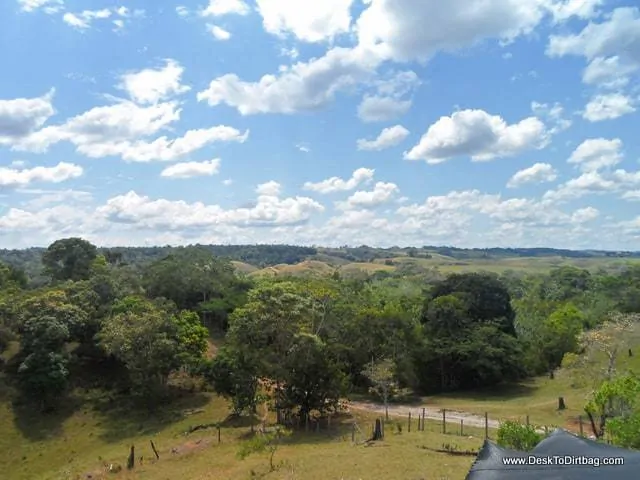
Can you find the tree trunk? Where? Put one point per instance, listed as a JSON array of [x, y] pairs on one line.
[[132, 459], [377, 431]]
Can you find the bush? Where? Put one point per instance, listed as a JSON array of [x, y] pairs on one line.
[[517, 436]]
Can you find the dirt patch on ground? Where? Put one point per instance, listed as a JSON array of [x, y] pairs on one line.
[[430, 413]]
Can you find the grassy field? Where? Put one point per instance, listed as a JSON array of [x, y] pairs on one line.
[[78, 442], [443, 264]]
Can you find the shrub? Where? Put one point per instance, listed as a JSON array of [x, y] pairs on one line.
[[517, 436]]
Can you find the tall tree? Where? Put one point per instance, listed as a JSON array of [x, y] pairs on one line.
[[69, 259]]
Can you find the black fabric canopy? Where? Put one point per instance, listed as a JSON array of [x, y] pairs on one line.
[[568, 457]]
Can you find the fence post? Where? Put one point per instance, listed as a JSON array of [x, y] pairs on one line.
[[528, 420], [353, 433], [444, 420], [461, 427], [409, 423], [419, 423], [423, 419], [218, 433], [486, 425], [581, 427]]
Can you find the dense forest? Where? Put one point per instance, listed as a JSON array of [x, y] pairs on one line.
[[30, 260], [136, 323]]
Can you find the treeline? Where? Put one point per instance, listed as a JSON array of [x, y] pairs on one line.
[[102, 323]]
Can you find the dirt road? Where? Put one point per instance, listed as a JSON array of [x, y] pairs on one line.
[[431, 413]]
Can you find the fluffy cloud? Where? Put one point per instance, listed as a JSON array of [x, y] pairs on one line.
[[218, 8], [192, 169], [144, 212], [49, 6], [149, 86], [307, 21], [608, 107], [594, 158], [460, 207], [163, 149], [218, 33], [269, 189], [22, 116], [382, 193], [14, 178], [597, 153], [553, 114], [632, 196], [117, 130], [477, 134], [304, 86], [388, 102], [380, 109], [336, 184], [537, 173], [610, 72], [582, 9], [389, 137], [83, 20], [118, 122], [415, 30], [610, 47]]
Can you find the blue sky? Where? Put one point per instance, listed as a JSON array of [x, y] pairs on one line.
[[383, 122]]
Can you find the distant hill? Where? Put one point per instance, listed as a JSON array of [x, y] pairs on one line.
[[299, 260]]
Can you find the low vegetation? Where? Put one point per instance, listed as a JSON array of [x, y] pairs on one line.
[[103, 349]]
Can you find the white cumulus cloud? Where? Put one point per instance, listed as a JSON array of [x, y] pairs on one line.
[[307, 21], [477, 134], [192, 169], [388, 137], [608, 107], [151, 85], [537, 173], [336, 184], [14, 178], [219, 33]]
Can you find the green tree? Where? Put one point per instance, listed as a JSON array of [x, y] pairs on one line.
[[234, 375], [382, 375], [42, 374], [191, 336], [560, 335], [470, 335], [43, 377], [69, 259], [146, 343], [616, 398]]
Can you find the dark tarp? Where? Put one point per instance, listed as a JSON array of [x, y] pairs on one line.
[[579, 456]]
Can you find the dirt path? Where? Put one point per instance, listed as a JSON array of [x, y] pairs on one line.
[[430, 413]]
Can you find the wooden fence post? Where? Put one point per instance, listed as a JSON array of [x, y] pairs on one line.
[[461, 427], [131, 461], [218, 433], [444, 420], [409, 424], [528, 421], [486, 425], [581, 427], [423, 419], [155, 451]]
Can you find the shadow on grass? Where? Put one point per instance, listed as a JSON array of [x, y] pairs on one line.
[[339, 429], [123, 417], [35, 425], [500, 392]]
